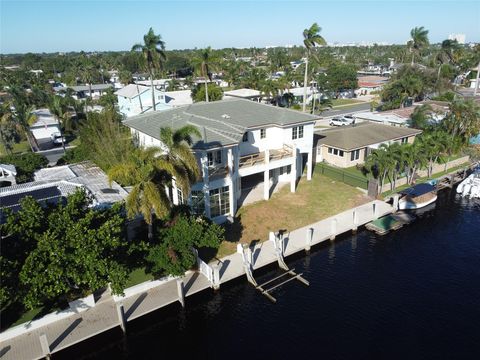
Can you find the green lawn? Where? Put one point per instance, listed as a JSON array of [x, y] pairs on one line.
[[314, 200], [19, 148], [138, 276], [340, 102], [355, 171]]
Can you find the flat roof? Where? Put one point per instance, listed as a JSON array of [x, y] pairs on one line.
[[362, 135]]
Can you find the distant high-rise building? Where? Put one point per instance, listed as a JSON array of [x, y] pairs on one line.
[[459, 37]]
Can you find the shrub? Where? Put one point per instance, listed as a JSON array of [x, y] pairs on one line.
[[26, 164]]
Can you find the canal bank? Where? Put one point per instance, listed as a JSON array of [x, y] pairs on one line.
[[411, 294]]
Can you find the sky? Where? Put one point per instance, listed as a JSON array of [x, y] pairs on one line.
[[75, 25]]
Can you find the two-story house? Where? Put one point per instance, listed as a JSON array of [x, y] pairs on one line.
[[135, 99], [241, 142]]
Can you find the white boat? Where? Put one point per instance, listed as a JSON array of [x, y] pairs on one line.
[[470, 186], [417, 197]]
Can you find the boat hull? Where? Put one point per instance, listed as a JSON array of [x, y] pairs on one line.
[[410, 205]]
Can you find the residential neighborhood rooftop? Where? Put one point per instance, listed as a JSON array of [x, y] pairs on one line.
[[221, 122], [131, 90], [361, 135]]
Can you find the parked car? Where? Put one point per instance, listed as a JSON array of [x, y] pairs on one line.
[[339, 122], [349, 118], [56, 138]]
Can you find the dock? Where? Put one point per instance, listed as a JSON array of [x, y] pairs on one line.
[[41, 338], [390, 222]]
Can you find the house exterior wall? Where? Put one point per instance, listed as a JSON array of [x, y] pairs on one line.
[[345, 161]]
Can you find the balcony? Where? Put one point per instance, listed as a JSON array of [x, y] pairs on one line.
[[217, 172], [259, 158]]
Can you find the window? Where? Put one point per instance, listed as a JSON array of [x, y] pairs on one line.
[[219, 201], [300, 132], [404, 140], [297, 132], [245, 137], [330, 150], [198, 202], [355, 155], [335, 151], [214, 158], [263, 133], [180, 198], [340, 153]]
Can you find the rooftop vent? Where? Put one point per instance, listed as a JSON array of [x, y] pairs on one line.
[[226, 116]]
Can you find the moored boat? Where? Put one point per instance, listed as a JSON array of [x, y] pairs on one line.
[[417, 197]]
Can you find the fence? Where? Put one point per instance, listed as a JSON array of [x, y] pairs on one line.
[[343, 176]]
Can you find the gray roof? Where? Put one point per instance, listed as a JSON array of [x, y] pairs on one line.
[[131, 90], [87, 88], [41, 191], [221, 122], [87, 175], [362, 135]]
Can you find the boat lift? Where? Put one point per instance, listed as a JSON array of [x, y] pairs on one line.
[[277, 240]]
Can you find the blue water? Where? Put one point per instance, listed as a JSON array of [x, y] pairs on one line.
[[412, 294]]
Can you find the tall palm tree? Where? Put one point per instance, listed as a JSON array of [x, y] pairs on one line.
[[204, 62], [145, 172], [269, 89], [177, 152], [446, 54], [153, 50], [418, 40], [380, 162], [463, 119], [311, 38], [59, 111], [24, 117]]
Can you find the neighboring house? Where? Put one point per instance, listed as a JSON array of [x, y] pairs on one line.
[[350, 145], [83, 91], [249, 94], [53, 185], [243, 143], [8, 175], [136, 99], [44, 127], [382, 118], [367, 84]]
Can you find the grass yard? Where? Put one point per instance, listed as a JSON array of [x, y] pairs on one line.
[[342, 102], [138, 276], [19, 148], [314, 200]]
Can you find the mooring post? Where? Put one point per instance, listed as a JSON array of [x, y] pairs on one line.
[[216, 277], [45, 346], [395, 203], [181, 292], [309, 239], [333, 229], [355, 220], [375, 210], [121, 317], [452, 179]]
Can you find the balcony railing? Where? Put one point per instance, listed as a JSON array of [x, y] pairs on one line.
[[259, 158], [217, 171]]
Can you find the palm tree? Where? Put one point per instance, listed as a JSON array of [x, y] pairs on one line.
[[311, 38], [433, 146], [145, 171], [380, 163], [446, 54], [177, 152], [23, 116], [419, 40], [269, 89], [463, 119], [59, 111], [203, 62], [420, 117], [153, 50]]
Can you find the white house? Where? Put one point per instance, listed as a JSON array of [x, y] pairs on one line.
[[242, 143], [135, 99], [83, 91], [44, 126], [8, 174]]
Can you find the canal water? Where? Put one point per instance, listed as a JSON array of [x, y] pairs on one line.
[[412, 294]]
